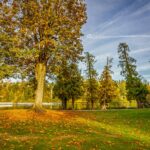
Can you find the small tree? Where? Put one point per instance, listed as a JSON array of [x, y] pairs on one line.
[[91, 83], [107, 86]]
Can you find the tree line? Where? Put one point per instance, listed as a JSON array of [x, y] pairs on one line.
[[97, 91], [71, 85], [40, 40]]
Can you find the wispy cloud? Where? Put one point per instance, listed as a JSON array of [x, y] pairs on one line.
[[90, 36], [144, 67], [140, 50], [142, 10], [115, 21]]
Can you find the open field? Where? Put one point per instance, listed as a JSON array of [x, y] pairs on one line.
[[95, 130]]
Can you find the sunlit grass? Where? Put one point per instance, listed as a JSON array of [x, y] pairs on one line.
[[118, 129]]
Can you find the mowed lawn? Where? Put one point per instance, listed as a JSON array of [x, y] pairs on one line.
[[75, 130]]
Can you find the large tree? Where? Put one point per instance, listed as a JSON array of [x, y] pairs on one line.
[[136, 88], [91, 83], [36, 35], [107, 86]]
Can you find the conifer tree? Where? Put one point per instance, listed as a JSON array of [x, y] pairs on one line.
[[136, 88], [75, 83], [107, 87], [91, 84], [69, 84]]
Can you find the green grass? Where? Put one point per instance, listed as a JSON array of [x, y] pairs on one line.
[[68, 130]]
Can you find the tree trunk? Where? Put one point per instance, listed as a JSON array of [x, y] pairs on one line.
[[51, 95], [103, 106], [64, 104], [40, 72], [92, 104], [73, 103], [88, 105], [139, 104]]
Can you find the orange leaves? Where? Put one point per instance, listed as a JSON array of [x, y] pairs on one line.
[[75, 142], [24, 115], [24, 129]]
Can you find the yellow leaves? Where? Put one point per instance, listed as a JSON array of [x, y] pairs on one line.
[[110, 143], [24, 115], [47, 43], [75, 142], [72, 130]]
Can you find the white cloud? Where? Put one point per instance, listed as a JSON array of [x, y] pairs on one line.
[[144, 67]]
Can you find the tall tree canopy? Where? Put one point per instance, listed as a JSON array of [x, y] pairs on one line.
[[107, 85], [136, 89], [35, 35]]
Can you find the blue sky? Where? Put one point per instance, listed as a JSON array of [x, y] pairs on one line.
[[113, 21]]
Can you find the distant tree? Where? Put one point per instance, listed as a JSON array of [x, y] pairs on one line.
[[16, 92], [136, 89], [107, 87], [91, 83], [36, 35], [120, 99], [148, 95], [69, 84]]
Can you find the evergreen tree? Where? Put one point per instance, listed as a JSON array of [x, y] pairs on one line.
[[60, 87], [69, 84], [36, 35], [91, 84], [107, 86], [136, 89], [75, 83]]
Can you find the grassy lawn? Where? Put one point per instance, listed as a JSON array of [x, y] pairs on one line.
[[70, 130]]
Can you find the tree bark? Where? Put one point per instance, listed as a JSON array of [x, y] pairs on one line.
[[92, 104], [73, 103], [64, 104], [139, 104], [103, 106], [88, 105], [40, 72], [51, 95]]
